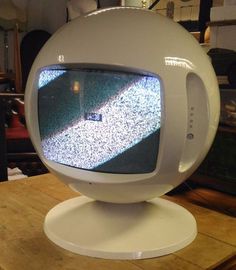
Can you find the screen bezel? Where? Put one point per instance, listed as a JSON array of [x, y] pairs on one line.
[[109, 68]]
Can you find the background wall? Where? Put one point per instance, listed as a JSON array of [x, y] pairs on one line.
[[184, 10], [49, 15]]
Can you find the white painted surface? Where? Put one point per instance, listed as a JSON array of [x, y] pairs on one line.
[[121, 45], [135, 231]]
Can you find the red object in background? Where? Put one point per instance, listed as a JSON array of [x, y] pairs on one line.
[[20, 106], [17, 133], [15, 120], [17, 129]]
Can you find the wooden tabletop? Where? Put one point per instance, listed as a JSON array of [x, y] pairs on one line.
[[23, 244]]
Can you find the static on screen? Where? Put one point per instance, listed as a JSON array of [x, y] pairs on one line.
[[100, 120]]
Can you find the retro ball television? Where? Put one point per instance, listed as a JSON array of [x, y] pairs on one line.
[[122, 105]]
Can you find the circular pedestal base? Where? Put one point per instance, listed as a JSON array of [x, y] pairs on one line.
[[116, 231]]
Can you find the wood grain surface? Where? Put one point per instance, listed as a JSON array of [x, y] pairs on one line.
[[23, 244]]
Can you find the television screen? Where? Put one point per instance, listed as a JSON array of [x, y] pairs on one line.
[[100, 120]]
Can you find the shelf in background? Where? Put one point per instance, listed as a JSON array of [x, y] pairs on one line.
[[222, 23]]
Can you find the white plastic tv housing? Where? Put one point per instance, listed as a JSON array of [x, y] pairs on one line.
[[122, 105]]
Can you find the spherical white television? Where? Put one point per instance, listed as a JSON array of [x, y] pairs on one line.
[[122, 105]]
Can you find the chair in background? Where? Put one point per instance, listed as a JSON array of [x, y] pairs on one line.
[[30, 46], [16, 149]]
